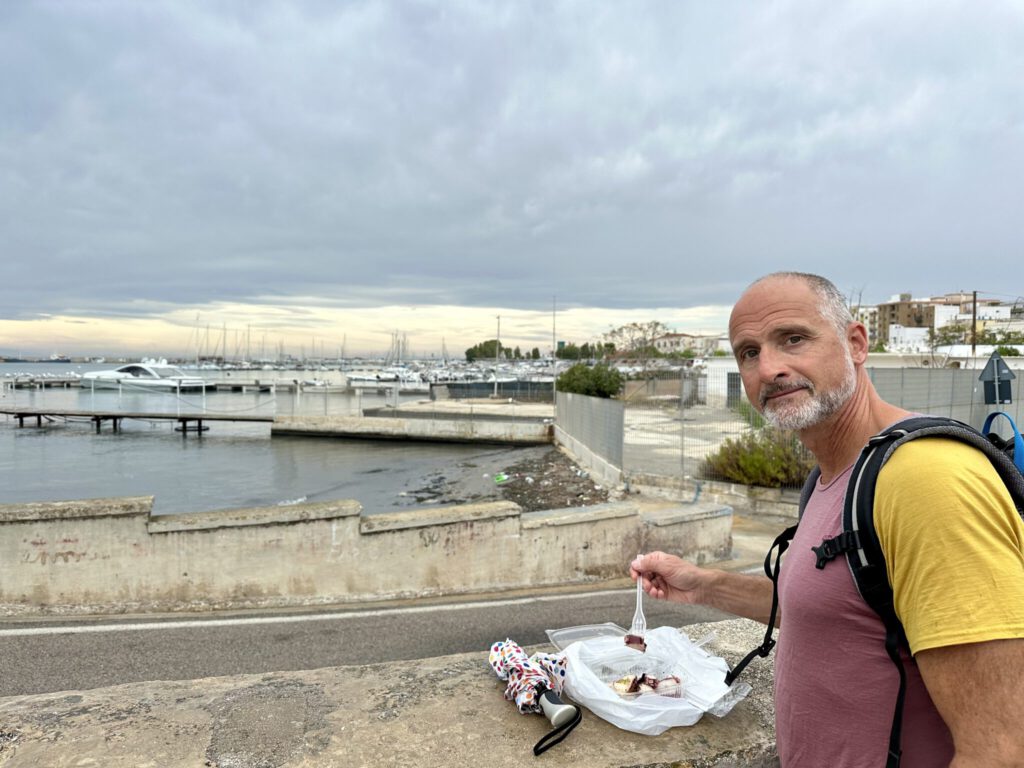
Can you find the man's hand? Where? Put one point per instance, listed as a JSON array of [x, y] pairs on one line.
[[667, 577]]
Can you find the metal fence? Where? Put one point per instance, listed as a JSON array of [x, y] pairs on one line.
[[595, 422], [532, 391], [671, 426]]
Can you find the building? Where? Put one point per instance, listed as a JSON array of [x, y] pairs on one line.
[[935, 313], [905, 311], [908, 340], [869, 317], [678, 343]]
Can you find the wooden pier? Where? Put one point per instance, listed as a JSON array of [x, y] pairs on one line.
[[188, 422], [220, 385]]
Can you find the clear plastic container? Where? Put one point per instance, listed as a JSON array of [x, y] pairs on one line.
[[562, 638], [671, 686]]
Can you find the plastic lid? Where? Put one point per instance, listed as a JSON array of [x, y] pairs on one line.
[[563, 638]]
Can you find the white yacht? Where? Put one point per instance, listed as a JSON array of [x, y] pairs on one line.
[[147, 375]]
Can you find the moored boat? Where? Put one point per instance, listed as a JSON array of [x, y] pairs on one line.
[[147, 375]]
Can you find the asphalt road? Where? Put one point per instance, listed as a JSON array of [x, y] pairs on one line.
[[78, 654]]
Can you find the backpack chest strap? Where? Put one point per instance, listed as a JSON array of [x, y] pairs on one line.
[[830, 549]]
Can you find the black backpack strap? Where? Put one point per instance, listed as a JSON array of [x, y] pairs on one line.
[[867, 564], [805, 493], [771, 570]]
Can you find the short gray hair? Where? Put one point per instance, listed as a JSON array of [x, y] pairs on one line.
[[831, 303]]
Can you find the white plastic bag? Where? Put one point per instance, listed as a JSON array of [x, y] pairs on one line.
[[594, 664]]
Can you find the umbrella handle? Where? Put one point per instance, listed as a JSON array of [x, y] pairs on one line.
[[556, 710], [564, 717]]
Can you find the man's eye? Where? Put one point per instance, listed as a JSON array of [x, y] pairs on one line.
[[795, 339], [748, 354]]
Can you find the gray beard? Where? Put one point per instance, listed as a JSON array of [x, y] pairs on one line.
[[816, 408]]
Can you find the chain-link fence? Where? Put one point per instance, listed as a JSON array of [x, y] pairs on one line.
[[671, 426], [521, 390], [596, 423]]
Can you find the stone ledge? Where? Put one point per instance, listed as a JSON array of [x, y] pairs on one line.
[[687, 514], [579, 515], [79, 509], [753, 500], [447, 710], [237, 518], [425, 518]]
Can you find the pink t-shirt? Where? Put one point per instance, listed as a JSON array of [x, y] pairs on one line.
[[835, 686]]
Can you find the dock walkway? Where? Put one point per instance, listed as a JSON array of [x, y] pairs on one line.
[[188, 421]]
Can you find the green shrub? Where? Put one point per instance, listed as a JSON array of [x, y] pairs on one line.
[[749, 414], [766, 457], [599, 381]]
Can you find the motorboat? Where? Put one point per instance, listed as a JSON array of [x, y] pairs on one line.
[[147, 375], [388, 380]]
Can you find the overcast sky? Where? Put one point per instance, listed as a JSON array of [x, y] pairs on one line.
[[335, 171]]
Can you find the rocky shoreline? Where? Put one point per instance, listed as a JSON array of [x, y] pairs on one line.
[[536, 478], [552, 481]]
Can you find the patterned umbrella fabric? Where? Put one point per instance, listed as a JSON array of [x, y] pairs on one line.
[[527, 677]]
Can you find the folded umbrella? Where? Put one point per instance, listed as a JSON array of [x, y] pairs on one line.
[[534, 684]]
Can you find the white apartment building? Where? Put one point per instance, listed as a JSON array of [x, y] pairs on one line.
[[681, 342]]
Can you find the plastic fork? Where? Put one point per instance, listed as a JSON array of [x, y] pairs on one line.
[[639, 626]]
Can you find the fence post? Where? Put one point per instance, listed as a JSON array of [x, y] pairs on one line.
[[682, 423]]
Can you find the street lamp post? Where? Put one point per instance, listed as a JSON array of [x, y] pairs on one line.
[[497, 352]]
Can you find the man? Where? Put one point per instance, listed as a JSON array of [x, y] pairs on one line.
[[954, 548]]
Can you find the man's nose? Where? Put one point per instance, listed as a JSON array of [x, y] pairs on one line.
[[770, 366]]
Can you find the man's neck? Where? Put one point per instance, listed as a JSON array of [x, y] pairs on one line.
[[838, 441]]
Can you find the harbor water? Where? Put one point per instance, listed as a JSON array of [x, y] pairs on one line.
[[233, 464]]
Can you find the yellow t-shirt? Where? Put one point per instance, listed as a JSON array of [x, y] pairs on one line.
[[953, 544]]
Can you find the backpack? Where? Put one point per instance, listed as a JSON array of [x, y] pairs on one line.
[[858, 540]]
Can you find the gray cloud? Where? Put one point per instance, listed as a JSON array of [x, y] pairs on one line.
[[650, 154]]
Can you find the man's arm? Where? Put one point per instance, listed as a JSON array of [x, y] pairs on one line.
[[977, 689], [667, 577]]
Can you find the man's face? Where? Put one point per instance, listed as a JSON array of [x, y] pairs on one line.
[[795, 368]]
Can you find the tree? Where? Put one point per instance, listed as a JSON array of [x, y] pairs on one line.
[[1009, 337], [485, 350], [637, 339], [634, 337], [953, 333], [586, 351], [568, 352], [535, 353], [596, 381]]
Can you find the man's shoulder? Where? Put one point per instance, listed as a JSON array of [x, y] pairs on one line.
[[935, 458], [939, 476]]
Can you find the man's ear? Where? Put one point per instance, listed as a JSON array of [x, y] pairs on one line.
[[857, 338]]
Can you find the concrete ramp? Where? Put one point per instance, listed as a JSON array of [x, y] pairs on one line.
[[456, 430]]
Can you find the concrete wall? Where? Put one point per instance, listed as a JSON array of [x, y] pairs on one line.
[[600, 468], [435, 430], [112, 555], [749, 499]]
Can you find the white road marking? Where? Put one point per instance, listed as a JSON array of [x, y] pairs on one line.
[[72, 629]]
